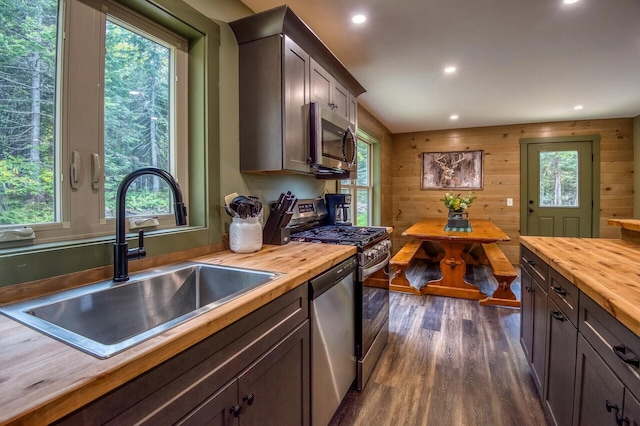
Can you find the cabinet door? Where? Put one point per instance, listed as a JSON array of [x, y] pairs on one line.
[[275, 389], [561, 368], [538, 351], [598, 392], [353, 112], [328, 91], [340, 99], [296, 95], [526, 319], [631, 410], [321, 82], [221, 409]]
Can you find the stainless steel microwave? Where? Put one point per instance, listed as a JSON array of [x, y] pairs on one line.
[[333, 143]]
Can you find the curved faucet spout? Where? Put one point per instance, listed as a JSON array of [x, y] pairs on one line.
[[121, 252]]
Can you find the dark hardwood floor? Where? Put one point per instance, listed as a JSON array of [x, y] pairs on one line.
[[448, 362]]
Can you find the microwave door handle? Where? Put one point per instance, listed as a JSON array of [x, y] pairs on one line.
[[350, 161]]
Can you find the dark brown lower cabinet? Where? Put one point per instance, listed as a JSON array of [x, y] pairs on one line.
[[253, 372], [590, 373], [265, 393], [599, 394], [533, 328], [561, 366], [631, 410]]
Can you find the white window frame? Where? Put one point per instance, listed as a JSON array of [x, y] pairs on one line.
[[80, 213], [350, 186]]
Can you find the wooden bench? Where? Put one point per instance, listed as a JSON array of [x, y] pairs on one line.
[[400, 263], [504, 273]]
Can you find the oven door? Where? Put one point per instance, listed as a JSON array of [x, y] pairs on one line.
[[373, 303]]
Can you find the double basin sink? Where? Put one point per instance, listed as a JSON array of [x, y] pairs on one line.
[[105, 318]]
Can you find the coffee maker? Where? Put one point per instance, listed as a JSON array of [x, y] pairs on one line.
[[338, 206]]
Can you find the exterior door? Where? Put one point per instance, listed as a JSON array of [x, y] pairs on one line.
[[559, 189]]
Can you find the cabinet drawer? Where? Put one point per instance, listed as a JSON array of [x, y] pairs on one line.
[[536, 266], [565, 294], [615, 343]]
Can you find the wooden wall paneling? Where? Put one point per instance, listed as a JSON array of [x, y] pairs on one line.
[[501, 145]]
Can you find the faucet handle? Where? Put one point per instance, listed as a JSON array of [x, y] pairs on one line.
[[140, 252]]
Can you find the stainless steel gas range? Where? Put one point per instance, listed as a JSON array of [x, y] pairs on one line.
[[372, 287]]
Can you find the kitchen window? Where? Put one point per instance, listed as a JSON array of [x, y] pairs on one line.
[[361, 188], [95, 98], [91, 91]]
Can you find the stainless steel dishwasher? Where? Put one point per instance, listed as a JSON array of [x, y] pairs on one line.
[[333, 360]]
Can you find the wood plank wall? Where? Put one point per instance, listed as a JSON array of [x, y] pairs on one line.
[[501, 145]]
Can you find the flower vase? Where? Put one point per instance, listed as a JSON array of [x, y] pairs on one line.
[[458, 219]]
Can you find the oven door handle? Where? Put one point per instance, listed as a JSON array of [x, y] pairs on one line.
[[375, 268]]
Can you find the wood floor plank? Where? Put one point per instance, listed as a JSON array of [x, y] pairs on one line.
[[448, 362]]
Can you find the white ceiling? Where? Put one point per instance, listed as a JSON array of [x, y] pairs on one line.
[[519, 61]]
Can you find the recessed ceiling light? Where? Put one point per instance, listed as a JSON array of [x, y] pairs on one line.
[[358, 19], [570, 1], [453, 117], [450, 70], [578, 107]]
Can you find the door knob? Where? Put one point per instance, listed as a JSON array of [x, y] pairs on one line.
[[530, 210]]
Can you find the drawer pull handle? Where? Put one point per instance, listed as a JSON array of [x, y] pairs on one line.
[[249, 398], [235, 410], [529, 289], [611, 406], [531, 262], [561, 291], [557, 315], [628, 358]]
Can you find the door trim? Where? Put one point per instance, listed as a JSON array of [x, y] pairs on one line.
[[595, 176]]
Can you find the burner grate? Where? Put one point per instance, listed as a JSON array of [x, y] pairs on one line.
[[335, 234]]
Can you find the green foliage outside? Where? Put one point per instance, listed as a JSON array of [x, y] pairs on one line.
[[559, 179], [27, 76], [136, 114]]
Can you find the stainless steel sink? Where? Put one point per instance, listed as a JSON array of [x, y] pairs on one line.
[[105, 318]]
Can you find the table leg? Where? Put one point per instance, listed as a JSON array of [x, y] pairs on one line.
[[453, 268], [503, 296]]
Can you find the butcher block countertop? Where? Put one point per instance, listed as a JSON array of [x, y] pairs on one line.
[[42, 380], [606, 270]]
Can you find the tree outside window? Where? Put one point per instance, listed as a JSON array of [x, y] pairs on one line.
[[361, 188]]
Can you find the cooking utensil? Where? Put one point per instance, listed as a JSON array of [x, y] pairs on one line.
[[229, 198], [230, 212]]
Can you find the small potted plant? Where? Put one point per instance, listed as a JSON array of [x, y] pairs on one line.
[[457, 205]]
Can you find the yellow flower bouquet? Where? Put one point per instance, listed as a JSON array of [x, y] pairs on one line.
[[458, 202]]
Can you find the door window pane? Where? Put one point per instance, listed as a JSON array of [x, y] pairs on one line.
[[559, 179], [28, 55], [137, 120]]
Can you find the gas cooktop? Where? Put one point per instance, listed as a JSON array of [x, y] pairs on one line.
[[341, 234]]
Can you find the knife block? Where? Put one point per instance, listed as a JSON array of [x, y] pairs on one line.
[[274, 231]]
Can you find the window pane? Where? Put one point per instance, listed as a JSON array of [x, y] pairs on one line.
[[28, 53], [136, 119], [363, 164], [559, 179], [362, 218]]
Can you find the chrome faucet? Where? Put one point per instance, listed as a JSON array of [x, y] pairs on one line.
[[121, 251]]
